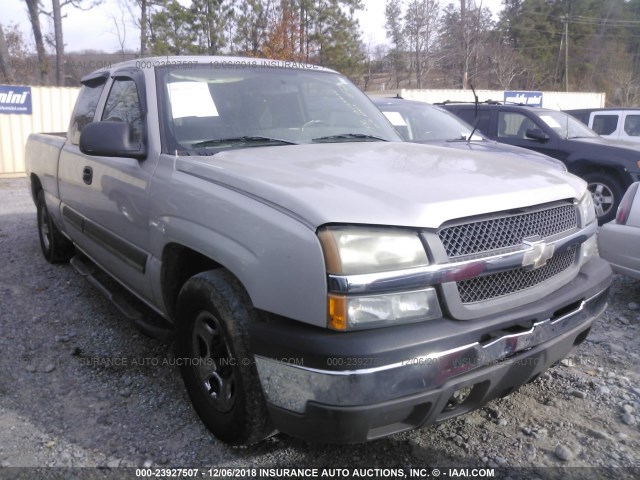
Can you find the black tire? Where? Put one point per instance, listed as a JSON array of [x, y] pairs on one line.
[[56, 248], [607, 193], [218, 369]]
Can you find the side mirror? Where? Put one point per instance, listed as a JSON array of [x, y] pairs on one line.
[[110, 139], [536, 134]]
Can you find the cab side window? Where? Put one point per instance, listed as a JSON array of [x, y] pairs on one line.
[[514, 125], [483, 119], [85, 110], [632, 125], [605, 124], [123, 105]]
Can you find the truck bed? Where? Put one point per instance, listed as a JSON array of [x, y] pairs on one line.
[[41, 155]]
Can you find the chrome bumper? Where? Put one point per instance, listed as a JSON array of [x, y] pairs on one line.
[[291, 386]]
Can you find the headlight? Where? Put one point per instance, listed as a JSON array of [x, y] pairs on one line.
[[587, 208], [369, 311], [351, 251]]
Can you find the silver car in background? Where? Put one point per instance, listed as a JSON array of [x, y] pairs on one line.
[[421, 122], [619, 240]]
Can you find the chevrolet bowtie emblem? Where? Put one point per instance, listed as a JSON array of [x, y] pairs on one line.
[[536, 254]]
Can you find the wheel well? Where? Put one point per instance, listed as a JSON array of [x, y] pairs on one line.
[[585, 169], [179, 264], [36, 186]]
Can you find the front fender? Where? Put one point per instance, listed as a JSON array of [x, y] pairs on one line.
[[277, 258]]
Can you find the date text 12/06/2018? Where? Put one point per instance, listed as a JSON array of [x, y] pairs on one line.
[[346, 473]]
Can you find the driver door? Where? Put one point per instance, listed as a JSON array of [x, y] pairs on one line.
[[106, 197], [512, 128]]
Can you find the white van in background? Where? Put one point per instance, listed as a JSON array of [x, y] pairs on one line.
[[613, 123]]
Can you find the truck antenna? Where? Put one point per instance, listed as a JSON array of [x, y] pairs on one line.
[[477, 120]]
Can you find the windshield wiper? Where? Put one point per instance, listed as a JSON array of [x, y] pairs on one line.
[[243, 140], [359, 137]]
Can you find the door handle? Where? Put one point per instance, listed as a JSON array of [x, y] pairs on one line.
[[87, 175]]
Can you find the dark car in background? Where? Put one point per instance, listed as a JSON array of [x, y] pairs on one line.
[[422, 122], [609, 167]]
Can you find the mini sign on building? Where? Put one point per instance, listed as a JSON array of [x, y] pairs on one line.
[[16, 100], [524, 98]]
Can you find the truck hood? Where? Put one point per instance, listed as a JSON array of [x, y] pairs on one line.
[[380, 183], [495, 148]]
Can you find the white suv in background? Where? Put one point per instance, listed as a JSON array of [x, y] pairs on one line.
[[616, 124]]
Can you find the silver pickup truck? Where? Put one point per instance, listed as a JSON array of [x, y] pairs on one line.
[[321, 277]]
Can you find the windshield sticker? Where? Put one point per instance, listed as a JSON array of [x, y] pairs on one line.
[[191, 99], [552, 122], [395, 118]]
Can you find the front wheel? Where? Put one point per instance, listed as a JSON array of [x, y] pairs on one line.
[[606, 192], [217, 365]]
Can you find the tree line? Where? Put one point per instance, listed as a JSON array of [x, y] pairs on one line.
[[573, 45], [557, 45]]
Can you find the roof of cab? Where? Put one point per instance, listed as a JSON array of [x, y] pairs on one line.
[[214, 61]]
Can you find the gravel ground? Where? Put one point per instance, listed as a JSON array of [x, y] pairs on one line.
[[61, 408]]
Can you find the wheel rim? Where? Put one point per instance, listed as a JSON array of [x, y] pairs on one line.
[[603, 198], [212, 362], [44, 228]]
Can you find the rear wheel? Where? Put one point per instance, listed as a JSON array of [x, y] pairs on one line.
[[606, 192], [217, 365], [55, 247]]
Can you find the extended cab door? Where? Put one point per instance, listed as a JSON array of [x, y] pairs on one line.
[[104, 199]]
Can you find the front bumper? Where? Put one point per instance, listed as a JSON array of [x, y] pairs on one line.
[[372, 386]]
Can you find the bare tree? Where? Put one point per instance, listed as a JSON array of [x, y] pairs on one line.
[[624, 81], [34, 18], [144, 21], [17, 53], [141, 20], [393, 25], [474, 23], [59, 43], [467, 46], [380, 59], [120, 25], [506, 63], [5, 63], [420, 23]]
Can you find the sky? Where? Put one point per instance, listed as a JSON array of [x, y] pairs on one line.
[[95, 29]]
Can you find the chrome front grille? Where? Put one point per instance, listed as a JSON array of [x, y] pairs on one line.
[[503, 283], [506, 231]]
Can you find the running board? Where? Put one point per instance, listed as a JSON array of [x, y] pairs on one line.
[[85, 269]]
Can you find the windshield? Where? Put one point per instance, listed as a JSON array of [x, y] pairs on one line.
[[212, 108], [565, 125], [425, 123]]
